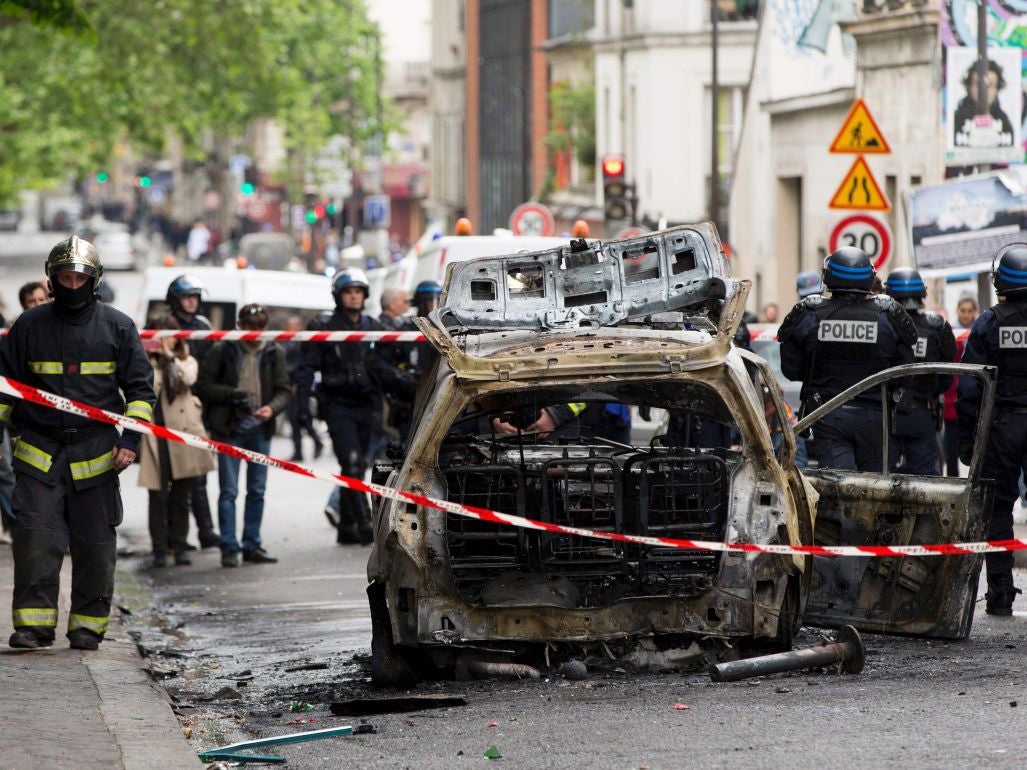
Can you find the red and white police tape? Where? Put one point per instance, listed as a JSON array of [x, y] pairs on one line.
[[278, 336], [29, 393]]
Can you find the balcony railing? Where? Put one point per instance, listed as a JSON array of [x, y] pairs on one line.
[[871, 7]]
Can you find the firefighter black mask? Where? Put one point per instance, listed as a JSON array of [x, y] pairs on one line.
[[73, 299]]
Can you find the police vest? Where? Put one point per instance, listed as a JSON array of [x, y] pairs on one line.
[[846, 348], [1012, 348], [926, 350]]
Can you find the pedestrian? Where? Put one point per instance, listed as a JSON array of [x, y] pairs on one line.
[[198, 244], [395, 305], [169, 469], [918, 413], [831, 344], [31, 294], [183, 298], [293, 357], [244, 386], [966, 312], [998, 339], [349, 395], [771, 313], [67, 466]]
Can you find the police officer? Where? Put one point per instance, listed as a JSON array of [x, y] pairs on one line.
[[183, 297], [66, 466], [352, 376], [917, 408], [831, 344], [999, 338]]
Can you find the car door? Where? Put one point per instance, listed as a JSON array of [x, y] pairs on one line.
[[932, 596]]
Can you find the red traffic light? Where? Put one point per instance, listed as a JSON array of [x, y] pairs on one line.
[[319, 211], [613, 166]]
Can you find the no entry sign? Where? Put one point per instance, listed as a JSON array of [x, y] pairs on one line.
[[532, 219], [866, 233]]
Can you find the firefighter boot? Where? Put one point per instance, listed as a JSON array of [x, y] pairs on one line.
[[38, 554], [92, 586], [1000, 595]]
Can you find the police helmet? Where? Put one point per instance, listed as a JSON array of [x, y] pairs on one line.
[[1009, 269], [907, 287], [808, 283], [848, 269], [185, 286], [427, 288], [350, 276], [76, 255]]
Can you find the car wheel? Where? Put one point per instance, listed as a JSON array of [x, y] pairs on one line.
[[389, 668]]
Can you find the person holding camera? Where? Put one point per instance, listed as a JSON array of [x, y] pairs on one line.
[[244, 386], [168, 469]]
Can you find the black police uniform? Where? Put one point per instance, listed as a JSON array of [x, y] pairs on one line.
[[831, 345], [67, 491], [914, 446], [199, 501], [352, 377], [998, 338]]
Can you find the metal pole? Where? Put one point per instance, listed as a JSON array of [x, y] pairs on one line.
[[847, 650], [983, 108], [714, 118]]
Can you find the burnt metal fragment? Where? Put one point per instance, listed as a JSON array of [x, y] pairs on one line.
[[846, 650]]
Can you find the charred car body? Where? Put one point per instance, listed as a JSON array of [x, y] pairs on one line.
[[646, 322]]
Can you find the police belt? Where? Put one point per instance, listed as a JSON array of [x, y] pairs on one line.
[[66, 436]]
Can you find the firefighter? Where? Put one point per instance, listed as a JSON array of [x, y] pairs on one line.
[[999, 338], [66, 493], [831, 344], [917, 407], [183, 297], [352, 377]]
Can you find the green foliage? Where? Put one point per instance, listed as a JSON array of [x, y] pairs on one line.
[[572, 121], [149, 68], [63, 14]]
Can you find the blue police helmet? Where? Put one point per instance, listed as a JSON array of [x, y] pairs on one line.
[[184, 286], [427, 288], [808, 283], [1009, 269], [905, 283], [350, 276], [848, 269]]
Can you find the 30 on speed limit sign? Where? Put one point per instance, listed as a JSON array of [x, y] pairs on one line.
[[532, 219], [866, 233]]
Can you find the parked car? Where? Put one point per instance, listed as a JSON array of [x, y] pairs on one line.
[[9, 219], [268, 251], [116, 249], [645, 322]]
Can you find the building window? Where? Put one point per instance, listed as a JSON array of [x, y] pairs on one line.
[[730, 110], [736, 10]]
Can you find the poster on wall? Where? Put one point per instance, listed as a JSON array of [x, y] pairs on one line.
[[957, 226], [972, 139], [994, 137]]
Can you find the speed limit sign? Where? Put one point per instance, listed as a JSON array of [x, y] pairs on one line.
[[866, 233]]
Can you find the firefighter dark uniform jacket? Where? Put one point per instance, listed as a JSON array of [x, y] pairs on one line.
[[94, 357], [997, 338], [832, 344]]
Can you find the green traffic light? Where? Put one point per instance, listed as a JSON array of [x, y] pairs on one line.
[[145, 181], [246, 188], [311, 217], [331, 209], [102, 177]]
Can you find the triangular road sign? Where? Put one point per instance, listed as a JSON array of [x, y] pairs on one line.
[[860, 133], [859, 191]]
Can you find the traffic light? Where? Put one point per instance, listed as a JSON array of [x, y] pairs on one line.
[[145, 181], [246, 188], [615, 189], [250, 178], [102, 177]]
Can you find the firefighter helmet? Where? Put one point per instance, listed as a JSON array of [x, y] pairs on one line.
[[77, 255]]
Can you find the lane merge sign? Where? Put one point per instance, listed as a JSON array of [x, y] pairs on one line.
[[864, 232]]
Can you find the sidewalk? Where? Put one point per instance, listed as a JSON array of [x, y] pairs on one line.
[[68, 708]]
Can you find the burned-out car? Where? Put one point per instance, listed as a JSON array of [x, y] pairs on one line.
[[536, 352]]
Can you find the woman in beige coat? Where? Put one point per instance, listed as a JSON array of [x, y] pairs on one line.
[[169, 469]]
